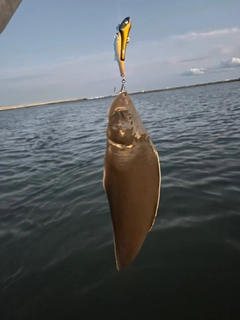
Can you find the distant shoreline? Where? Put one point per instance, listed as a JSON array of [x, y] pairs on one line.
[[5, 108], [39, 104], [190, 86]]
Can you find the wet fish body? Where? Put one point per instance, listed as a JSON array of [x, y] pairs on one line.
[[131, 180]]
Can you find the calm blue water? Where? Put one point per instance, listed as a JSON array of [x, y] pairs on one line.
[[56, 246]]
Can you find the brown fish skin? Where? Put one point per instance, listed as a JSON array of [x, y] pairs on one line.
[[131, 180]]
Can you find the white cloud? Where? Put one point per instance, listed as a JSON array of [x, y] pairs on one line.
[[225, 50], [207, 34], [193, 72], [236, 61], [232, 63], [197, 71], [223, 66]]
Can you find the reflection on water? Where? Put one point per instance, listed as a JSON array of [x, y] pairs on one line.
[[56, 247]]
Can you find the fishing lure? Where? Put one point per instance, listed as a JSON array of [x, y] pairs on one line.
[[121, 39]]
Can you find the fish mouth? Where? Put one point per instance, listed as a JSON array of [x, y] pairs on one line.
[[120, 145]]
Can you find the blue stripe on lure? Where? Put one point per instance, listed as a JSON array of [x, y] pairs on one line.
[[115, 47]]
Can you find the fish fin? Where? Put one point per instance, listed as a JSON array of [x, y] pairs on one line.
[[103, 182], [158, 200]]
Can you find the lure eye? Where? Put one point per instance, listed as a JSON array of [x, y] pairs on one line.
[[128, 39], [124, 23]]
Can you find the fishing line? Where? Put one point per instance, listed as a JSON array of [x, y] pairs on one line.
[[118, 10]]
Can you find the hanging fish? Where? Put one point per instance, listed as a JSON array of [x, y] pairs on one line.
[[132, 175], [131, 179]]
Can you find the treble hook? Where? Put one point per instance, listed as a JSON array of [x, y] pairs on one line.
[[123, 85], [123, 88]]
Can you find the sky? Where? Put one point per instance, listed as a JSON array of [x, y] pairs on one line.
[[57, 49]]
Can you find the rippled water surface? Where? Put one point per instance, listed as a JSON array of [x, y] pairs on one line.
[[56, 247]]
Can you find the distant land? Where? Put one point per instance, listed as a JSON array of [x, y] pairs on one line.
[[5, 108], [190, 86]]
